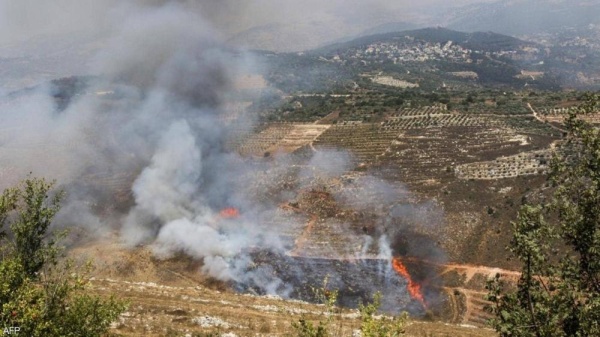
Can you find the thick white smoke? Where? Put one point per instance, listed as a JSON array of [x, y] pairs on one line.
[[169, 193], [151, 124], [165, 190], [172, 55]]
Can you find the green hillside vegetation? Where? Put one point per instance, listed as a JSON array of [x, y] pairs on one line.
[[430, 57], [41, 295], [558, 243]]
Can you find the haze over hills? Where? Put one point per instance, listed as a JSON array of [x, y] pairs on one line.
[[22, 65], [521, 17], [515, 17], [284, 27], [290, 37], [314, 25], [487, 41], [300, 36], [231, 145], [322, 27]]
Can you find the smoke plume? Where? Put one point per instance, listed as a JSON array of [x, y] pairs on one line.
[[140, 149], [150, 123]]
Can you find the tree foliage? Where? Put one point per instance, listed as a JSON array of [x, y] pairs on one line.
[[372, 325], [558, 243], [306, 328], [40, 293]]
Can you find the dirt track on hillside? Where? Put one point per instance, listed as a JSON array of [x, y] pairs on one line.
[[171, 298]]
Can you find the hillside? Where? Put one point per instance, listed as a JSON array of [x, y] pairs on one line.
[[390, 27], [487, 42], [374, 165], [170, 298], [433, 58], [429, 58], [216, 188]]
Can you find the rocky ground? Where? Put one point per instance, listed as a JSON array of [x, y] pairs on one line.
[[172, 298]]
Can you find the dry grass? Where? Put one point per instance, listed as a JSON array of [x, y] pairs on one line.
[[159, 310], [171, 298]]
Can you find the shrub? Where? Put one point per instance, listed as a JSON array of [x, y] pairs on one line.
[[39, 293], [558, 244], [371, 324], [305, 328]]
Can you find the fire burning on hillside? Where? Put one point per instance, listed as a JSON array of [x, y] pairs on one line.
[[414, 289], [229, 213], [163, 131]]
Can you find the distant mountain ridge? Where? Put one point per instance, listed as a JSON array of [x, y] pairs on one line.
[[290, 37], [486, 41], [510, 17], [521, 17], [390, 27]]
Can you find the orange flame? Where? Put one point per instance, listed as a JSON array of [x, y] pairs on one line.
[[229, 213], [414, 289]]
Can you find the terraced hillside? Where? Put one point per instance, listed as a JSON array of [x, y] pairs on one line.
[[428, 117], [526, 163], [364, 140], [171, 298], [433, 151], [284, 137], [390, 164], [463, 174], [436, 182], [558, 114], [188, 308]]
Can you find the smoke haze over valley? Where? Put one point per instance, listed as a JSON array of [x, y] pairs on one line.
[[374, 145], [141, 150]]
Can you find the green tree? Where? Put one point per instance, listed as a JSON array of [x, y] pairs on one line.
[[558, 243], [306, 328], [40, 293], [35, 213], [372, 326]]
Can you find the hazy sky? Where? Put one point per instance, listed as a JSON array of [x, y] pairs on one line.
[[21, 19]]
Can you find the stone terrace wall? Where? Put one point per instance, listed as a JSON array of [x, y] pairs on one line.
[[527, 163]]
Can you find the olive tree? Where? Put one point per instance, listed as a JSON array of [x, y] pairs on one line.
[[41, 293], [558, 243]]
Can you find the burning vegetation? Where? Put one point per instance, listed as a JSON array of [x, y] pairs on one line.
[[229, 213], [414, 289], [164, 139]]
